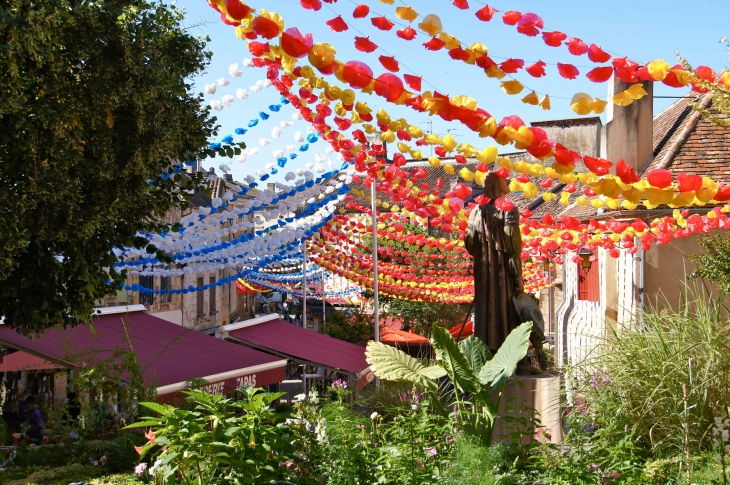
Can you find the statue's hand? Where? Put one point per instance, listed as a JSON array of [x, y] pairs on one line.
[[520, 287]]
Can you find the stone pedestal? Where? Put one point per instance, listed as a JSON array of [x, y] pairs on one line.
[[529, 397]]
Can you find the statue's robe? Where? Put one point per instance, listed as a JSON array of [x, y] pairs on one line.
[[493, 238]]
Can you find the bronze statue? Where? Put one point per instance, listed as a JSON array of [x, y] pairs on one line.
[[493, 238]]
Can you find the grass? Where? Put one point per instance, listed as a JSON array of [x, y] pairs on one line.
[[64, 475]]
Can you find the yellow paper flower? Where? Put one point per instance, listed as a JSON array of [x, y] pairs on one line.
[[658, 69], [532, 99], [545, 103], [431, 25], [406, 13], [512, 87]]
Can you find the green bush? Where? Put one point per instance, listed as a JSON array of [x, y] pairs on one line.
[[474, 464], [638, 375], [51, 476]]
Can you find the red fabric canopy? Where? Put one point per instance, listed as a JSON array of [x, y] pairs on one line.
[[468, 330], [285, 339], [168, 354], [18, 361], [392, 336]]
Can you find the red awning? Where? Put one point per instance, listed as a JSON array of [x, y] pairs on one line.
[[296, 343], [392, 336], [18, 361], [168, 354], [468, 330]]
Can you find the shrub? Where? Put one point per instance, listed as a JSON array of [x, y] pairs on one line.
[[639, 373], [474, 464]]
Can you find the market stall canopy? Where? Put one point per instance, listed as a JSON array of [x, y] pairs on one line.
[[168, 354], [18, 361], [272, 334]]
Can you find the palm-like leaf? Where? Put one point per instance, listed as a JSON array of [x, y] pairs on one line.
[[503, 365], [392, 364], [448, 354], [475, 352]]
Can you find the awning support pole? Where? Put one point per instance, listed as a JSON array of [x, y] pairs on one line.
[[375, 268], [323, 305], [304, 288]]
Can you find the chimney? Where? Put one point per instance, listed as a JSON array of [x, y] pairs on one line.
[[629, 130], [229, 177], [271, 186]]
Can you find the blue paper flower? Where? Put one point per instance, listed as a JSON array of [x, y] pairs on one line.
[[312, 138], [263, 115], [274, 107], [304, 147], [228, 139], [253, 122], [241, 131]]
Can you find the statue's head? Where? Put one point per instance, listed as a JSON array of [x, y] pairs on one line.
[[494, 186]]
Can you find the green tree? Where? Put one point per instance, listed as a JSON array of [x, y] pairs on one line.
[[96, 111], [714, 263], [356, 328], [718, 112]]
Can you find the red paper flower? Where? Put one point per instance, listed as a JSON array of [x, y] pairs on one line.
[[482, 200], [502, 173], [596, 54], [723, 193], [258, 49], [504, 204], [406, 33], [440, 151], [659, 178], [565, 156], [361, 11], [706, 73], [537, 69], [597, 165], [382, 23], [413, 81], [357, 74], [459, 54], [530, 24], [462, 4], [337, 24], [389, 63], [600, 74], [266, 28], [546, 183], [554, 39], [311, 4], [511, 66], [576, 46], [236, 9], [689, 183], [364, 44], [485, 13], [434, 44], [295, 44], [462, 191], [511, 17], [523, 178], [389, 86], [671, 79], [568, 71], [460, 159]]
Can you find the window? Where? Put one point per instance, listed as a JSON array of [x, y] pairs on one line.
[[165, 286], [588, 289], [146, 298], [201, 283], [212, 295]]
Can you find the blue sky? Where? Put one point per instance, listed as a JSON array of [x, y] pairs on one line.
[[641, 30]]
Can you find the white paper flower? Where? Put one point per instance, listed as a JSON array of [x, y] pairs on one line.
[[276, 132], [300, 172], [255, 89], [330, 163], [310, 130], [329, 150], [249, 179], [298, 137], [297, 116], [223, 82], [241, 93], [242, 157], [261, 173], [308, 175], [210, 88], [233, 70], [290, 148], [264, 141], [285, 124], [270, 165], [319, 158], [248, 62], [224, 168], [260, 83], [228, 100], [216, 105], [319, 168], [290, 176], [252, 151], [278, 153]]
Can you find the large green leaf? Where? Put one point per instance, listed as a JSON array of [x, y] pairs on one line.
[[475, 352], [392, 364], [503, 365], [448, 354]]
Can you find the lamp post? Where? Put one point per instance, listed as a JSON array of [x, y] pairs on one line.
[[585, 263], [304, 286]]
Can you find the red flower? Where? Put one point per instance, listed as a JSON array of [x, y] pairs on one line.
[[364, 44], [406, 33], [459, 54], [434, 44], [361, 11], [530, 24], [600, 74], [511, 17], [337, 24], [511, 66], [382, 23], [597, 165], [565, 156], [537, 69], [554, 39], [576, 46], [311, 4], [596, 54], [295, 44], [462, 4], [266, 28], [236, 9], [689, 183], [504, 204], [413, 81], [568, 71], [659, 178], [486, 13], [389, 63]]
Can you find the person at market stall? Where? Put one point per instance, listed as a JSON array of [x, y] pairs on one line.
[[33, 420], [493, 238]]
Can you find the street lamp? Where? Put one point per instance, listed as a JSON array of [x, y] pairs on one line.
[[585, 262]]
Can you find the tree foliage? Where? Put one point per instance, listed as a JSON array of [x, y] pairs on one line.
[[714, 263], [720, 89], [96, 112], [356, 328]]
